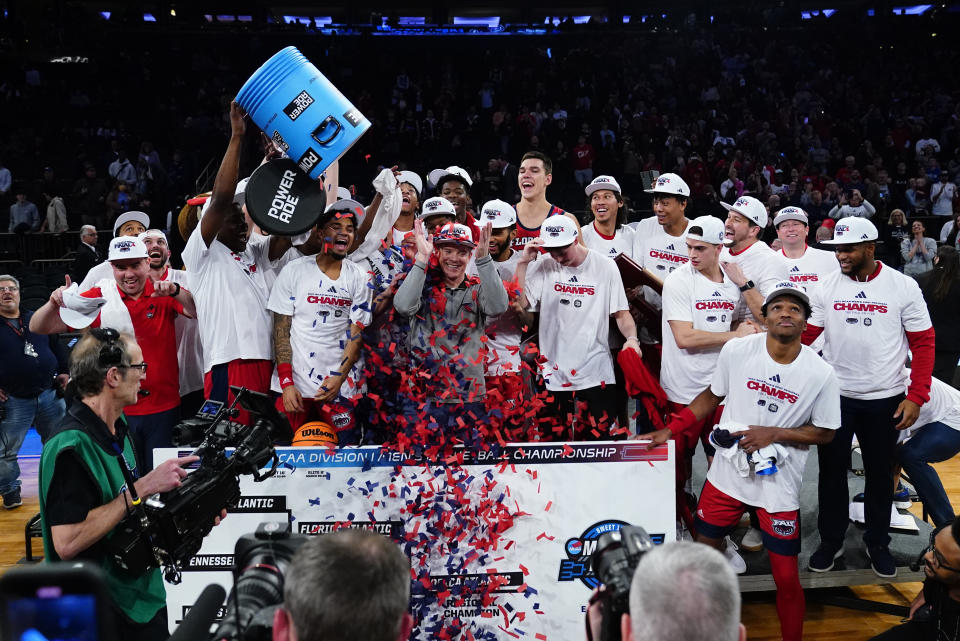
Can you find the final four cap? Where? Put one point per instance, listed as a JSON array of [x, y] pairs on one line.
[[749, 207], [437, 206], [852, 230], [558, 231], [710, 230], [786, 288], [454, 234], [439, 176], [603, 182], [412, 179], [790, 213], [125, 247], [671, 185], [498, 213], [138, 216]]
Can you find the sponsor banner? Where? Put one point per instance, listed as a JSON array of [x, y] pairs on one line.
[[525, 572]]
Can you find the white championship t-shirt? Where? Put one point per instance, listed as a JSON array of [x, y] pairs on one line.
[[189, 347], [811, 268], [760, 264], [760, 391], [659, 252], [864, 329], [690, 296], [504, 331], [943, 407], [610, 246], [575, 306], [323, 310], [231, 293]]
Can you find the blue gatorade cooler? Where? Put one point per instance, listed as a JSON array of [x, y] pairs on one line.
[[305, 115]]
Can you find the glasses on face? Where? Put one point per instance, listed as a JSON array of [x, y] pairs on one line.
[[140, 366], [938, 559], [9, 288]]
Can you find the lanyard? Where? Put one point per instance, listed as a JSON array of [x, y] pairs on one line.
[[17, 329]]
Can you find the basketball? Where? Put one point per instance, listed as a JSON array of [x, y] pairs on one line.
[[315, 434]]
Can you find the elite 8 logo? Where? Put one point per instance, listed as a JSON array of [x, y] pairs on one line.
[[580, 549]]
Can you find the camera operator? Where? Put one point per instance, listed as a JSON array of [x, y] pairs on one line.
[[91, 456], [679, 577], [935, 612], [351, 584]]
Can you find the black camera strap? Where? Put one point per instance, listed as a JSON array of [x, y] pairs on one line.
[[128, 475]]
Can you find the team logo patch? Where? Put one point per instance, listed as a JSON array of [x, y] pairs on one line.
[[852, 320], [564, 301], [868, 321], [577, 303], [579, 549], [784, 527], [711, 319], [773, 407]]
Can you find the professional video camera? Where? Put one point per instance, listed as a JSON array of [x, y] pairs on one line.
[[261, 560], [167, 529], [614, 561]]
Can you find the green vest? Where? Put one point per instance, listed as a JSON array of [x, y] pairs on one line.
[[139, 597]]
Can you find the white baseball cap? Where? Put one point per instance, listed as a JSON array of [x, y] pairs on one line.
[[239, 197], [670, 184], [78, 311], [345, 203], [498, 213], [343, 194], [437, 206], [454, 234], [786, 287], [711, 230], [138, 216], [411, 178], [152, 233], [437, 175], [603, 182], [126, 247], [852, 230], [749, 207], [558, 231], [790, 213]]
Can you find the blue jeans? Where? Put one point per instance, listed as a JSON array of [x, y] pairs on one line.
[[44, 411], [150, 431], [934, 443]]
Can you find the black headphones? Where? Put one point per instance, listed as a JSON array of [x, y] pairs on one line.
[[111, 352]]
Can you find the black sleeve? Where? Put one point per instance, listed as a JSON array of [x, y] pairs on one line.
[[60, 352], [72, 492]]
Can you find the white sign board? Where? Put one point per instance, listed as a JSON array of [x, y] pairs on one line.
[[523, 522]]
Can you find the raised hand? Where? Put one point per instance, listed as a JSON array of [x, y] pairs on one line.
[[530, 251], [238, 126], [56, 296], [424, 242], [483, 243]]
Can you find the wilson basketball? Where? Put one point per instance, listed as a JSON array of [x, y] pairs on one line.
[[315, 434]]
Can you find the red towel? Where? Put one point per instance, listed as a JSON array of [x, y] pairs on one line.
[[642, 384]]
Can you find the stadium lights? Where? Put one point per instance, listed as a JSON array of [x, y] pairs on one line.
[[826, 13], [915, 10], [477, 21], [581, 19], [105, 15], [148, 17]]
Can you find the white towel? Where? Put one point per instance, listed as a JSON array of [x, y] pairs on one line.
[[114, 313]]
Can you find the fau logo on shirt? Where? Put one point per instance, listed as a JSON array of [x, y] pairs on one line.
[[772, 388]]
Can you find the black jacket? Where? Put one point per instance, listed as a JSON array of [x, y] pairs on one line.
[[86, 258], [943, 313]]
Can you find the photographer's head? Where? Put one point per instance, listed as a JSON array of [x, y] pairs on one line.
[[107, 364], [352, 584], [684, 591]]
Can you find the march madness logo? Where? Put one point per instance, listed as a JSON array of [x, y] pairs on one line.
[[579, 550]]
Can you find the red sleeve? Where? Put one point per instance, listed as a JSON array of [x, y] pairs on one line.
[[921, 365], [92, 293], [810, 334]]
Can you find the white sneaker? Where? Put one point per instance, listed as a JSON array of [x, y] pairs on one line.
[[733, 558], [752, 541]]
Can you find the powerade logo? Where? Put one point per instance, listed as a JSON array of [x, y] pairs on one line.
[[298, 106], [308, 160], [579, 550]]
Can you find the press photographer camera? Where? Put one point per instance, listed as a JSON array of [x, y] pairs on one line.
[[614, 562], [261, 561], [166, 530]]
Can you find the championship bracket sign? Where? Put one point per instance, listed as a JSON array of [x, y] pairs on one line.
[[500, 542]]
